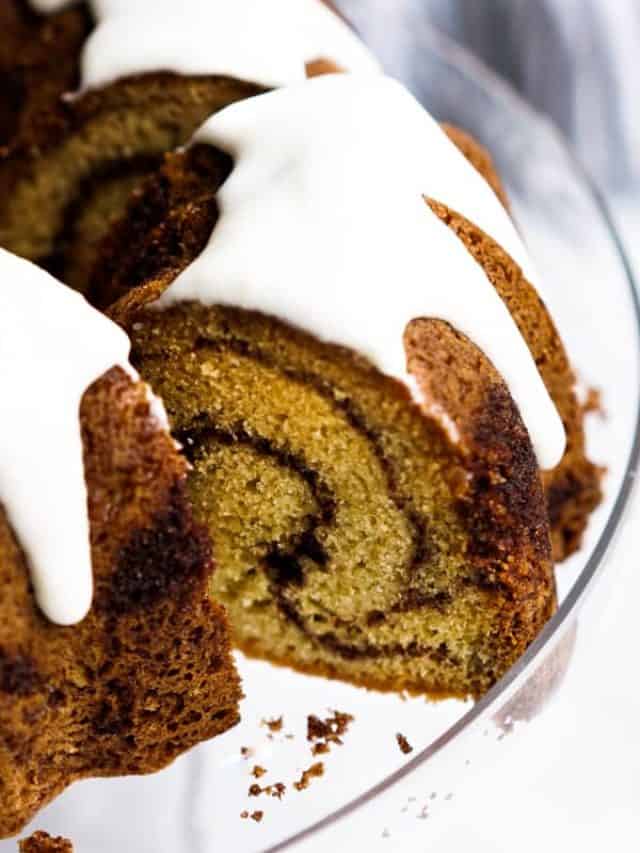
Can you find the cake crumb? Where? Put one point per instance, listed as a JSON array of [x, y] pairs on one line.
[[274, 725], [246, 752], [322, 733], [403, 743], [244, 815], [593, 403], [257, 816], [279, 790], [42, 842], [258, 771], [307, 775]]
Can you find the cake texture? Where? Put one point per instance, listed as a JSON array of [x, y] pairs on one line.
[[39, 61], [352, 538], [148, 673]]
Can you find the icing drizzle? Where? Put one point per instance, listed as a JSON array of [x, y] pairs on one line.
[[267, 42], [53, 345], [323, 223]]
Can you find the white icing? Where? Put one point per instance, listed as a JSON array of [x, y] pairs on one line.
[[263, 41], [157, 409], [323, 223], [46, 7], [53, 345]]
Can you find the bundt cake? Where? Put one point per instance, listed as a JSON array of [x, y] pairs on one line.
[[148, 672], [342, 385], [394, 539], [144, 90]]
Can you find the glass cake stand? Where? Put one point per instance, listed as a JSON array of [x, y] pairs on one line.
[[370, 791]]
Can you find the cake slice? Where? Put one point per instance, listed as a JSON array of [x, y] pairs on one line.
[[148, 673], [357, 534]]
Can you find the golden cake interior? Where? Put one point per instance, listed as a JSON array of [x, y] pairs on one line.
[[337, 509]]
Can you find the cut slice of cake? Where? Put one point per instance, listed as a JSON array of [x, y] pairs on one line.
[[148, 673], [358, 533]]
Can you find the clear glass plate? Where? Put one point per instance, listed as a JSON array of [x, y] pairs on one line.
[[370, 791]]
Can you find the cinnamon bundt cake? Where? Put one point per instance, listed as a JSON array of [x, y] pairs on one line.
[[355, 399], [144, 90], [393, 539], [148, 673]]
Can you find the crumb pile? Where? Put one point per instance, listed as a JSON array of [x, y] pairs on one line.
[[323, 733], [42, 842]]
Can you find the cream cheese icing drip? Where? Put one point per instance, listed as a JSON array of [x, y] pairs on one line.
[[267, 42], [53, 345], [323, 223], [47, 7]]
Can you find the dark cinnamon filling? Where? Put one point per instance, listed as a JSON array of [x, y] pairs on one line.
[[18, 675], [138, 165], [164, 560], [12, 94]]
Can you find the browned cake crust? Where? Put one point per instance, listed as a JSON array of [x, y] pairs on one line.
[[573, 488], [39, 58], [479, 158], [42, 842], [170, 222], [148, 673]]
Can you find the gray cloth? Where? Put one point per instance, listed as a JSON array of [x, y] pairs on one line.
[[576, 60]]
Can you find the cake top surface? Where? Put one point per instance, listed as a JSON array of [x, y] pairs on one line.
[[324, 223], [268, 43], [53, 345]]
